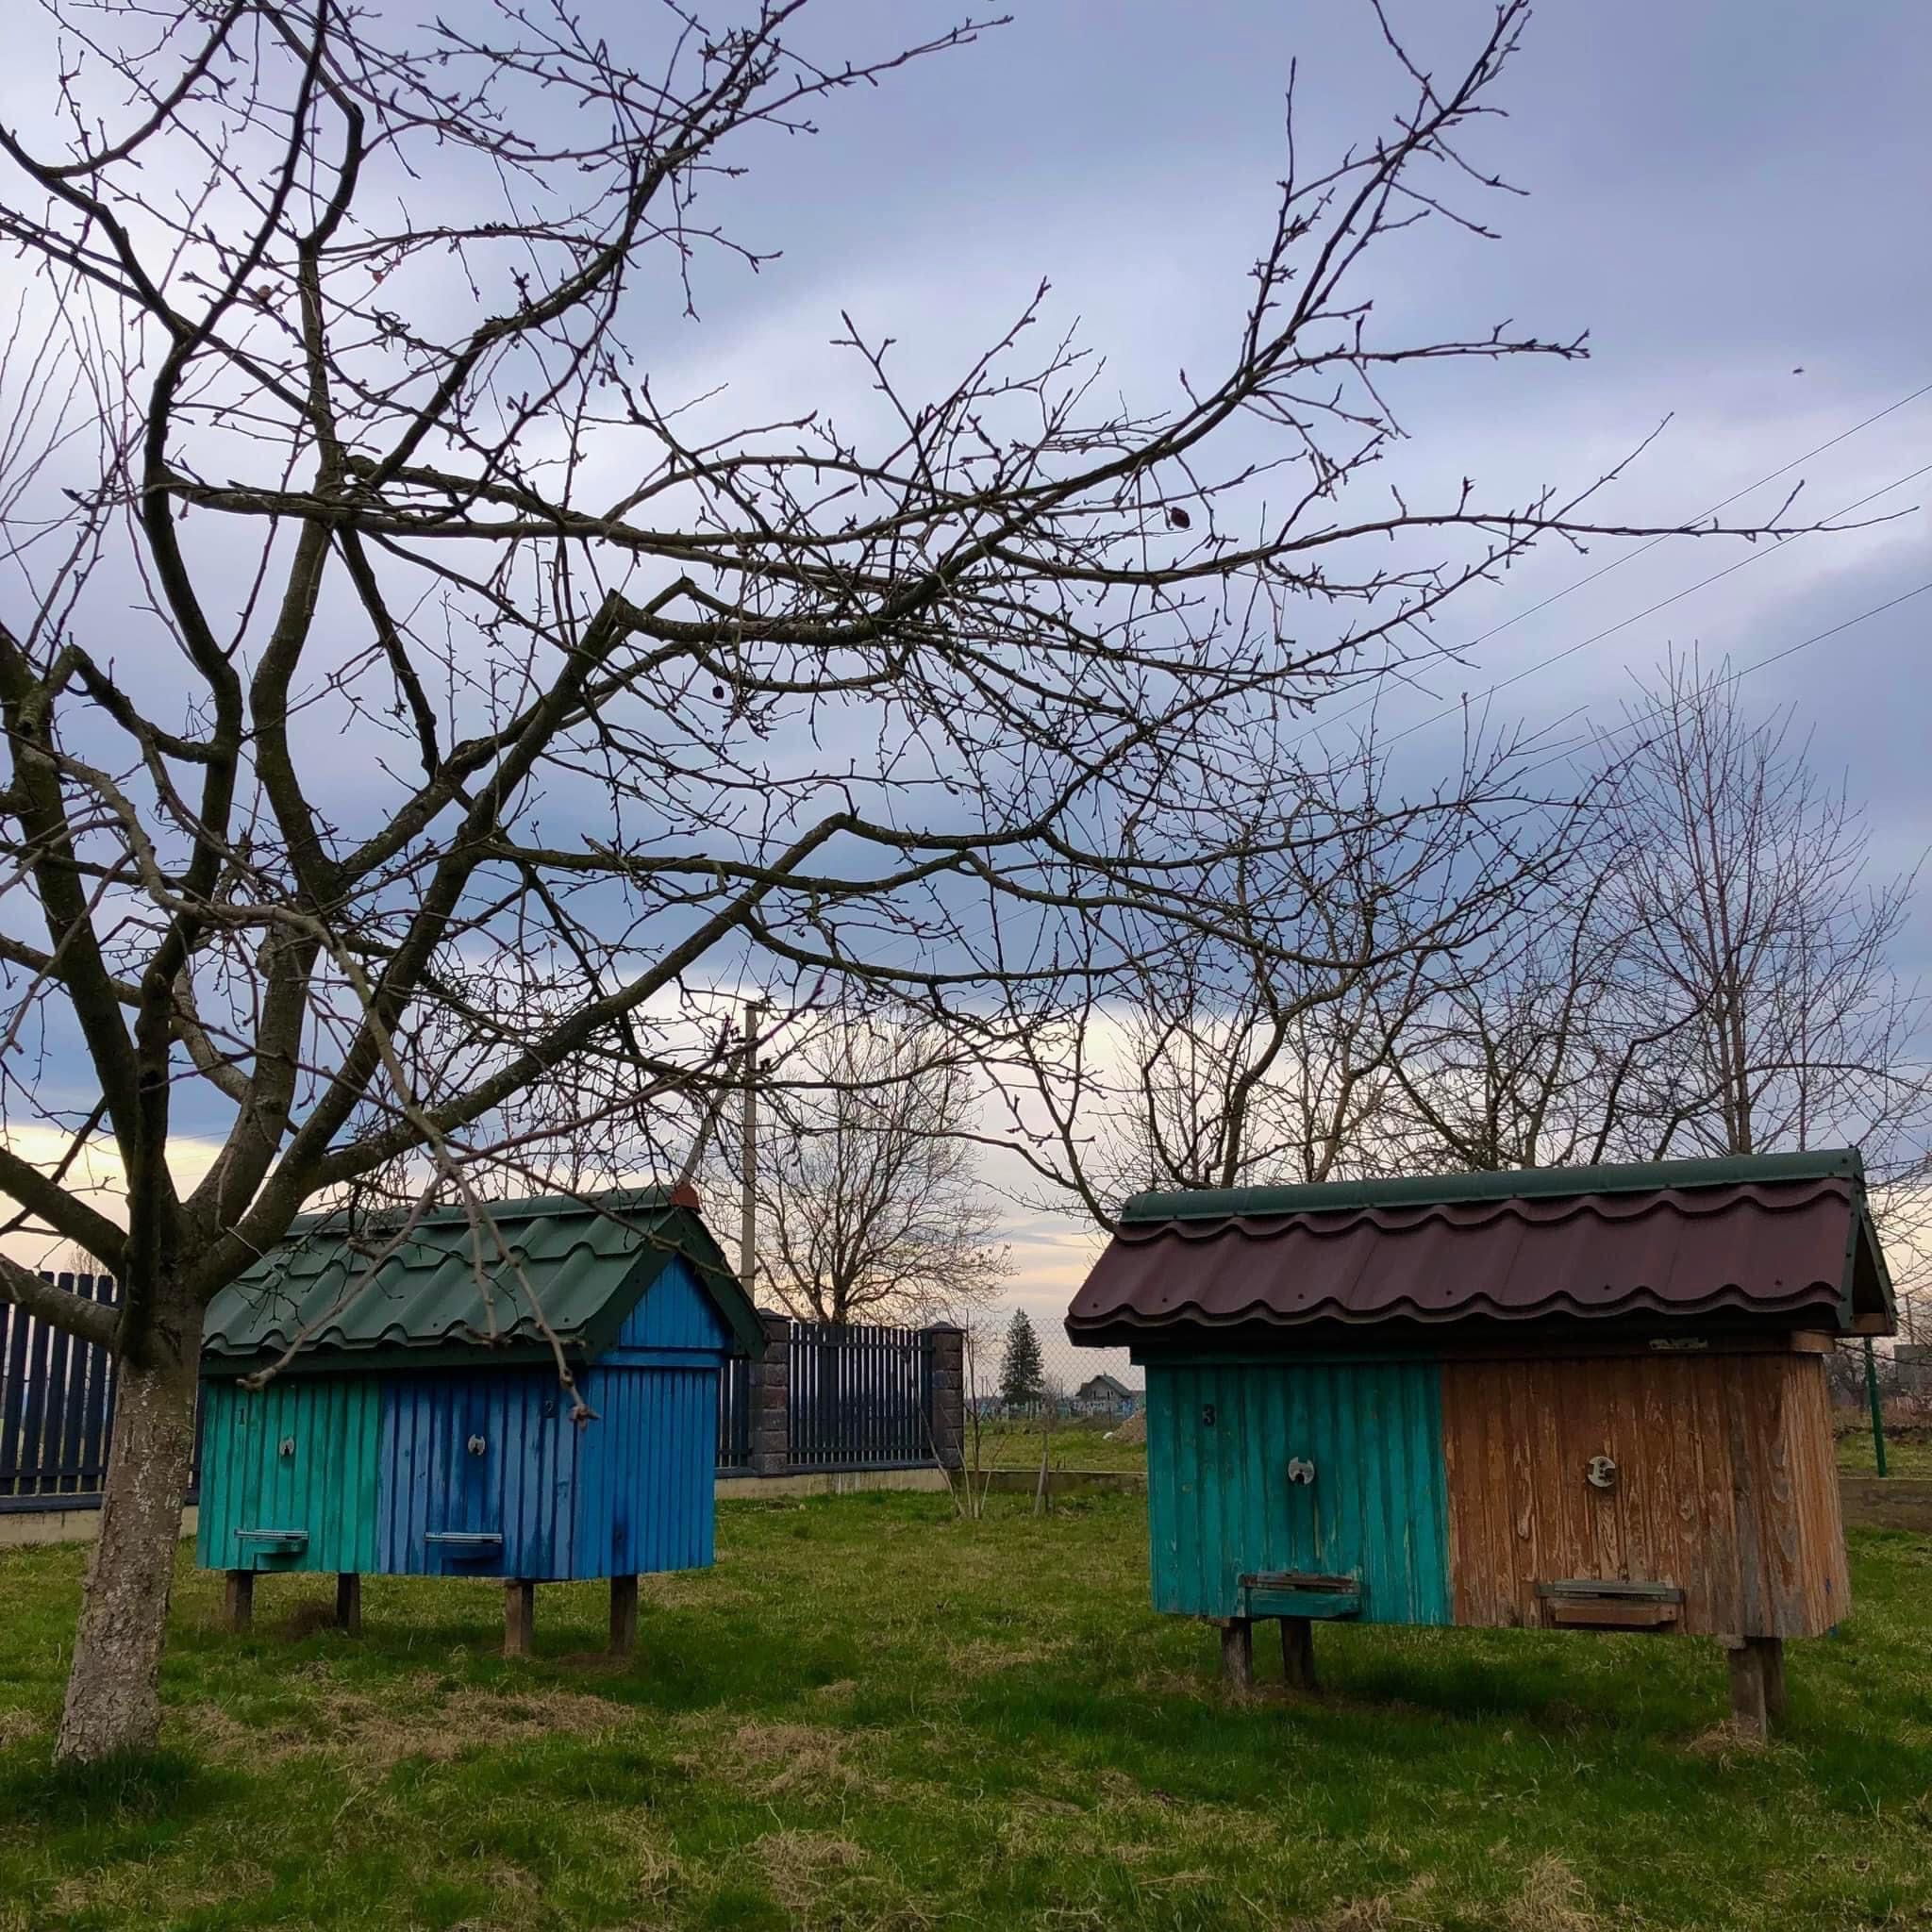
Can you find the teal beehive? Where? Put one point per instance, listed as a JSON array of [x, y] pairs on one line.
[[418, 1420]]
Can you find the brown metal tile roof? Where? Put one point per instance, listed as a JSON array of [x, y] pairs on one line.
[[1790, 1250]]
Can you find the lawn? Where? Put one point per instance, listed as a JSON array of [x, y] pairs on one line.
[[873, 1715], [1904, 1455], [1068, 1445]]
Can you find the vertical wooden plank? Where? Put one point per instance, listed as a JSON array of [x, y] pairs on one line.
[[82, 1358], [623, 1615], [1166, 1447], [519, 1617], [12, 1336], [1238, 1654], [238, 1601], [1462, 1488], [349, 1602], [1755, 1610], [1723, 1582], [33, 1407]]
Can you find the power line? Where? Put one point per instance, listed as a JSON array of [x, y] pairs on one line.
[[1744, 671], [1630, 556], [1624, 623]]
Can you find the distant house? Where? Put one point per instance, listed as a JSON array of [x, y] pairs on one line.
[[1104, 1396]]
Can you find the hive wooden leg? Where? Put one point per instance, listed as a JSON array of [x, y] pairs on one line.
[[1774, 1652], [1298, 1653], [349, 1602], [519, 1617], [623, 1615], [237, 1600], [1757, 1683], [1237, 1652]]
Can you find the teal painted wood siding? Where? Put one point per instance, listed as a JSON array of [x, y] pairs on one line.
[[300, 1455], [1220, 1437]]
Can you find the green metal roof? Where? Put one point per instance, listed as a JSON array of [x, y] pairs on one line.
[[1428, 1190], [585, 1263]]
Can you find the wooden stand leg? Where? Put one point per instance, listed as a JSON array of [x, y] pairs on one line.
[[1757, 1683], [349, 1602], [238, 1601], [1237, 1652], [1298, 1653], [1773, 1649], [519, 1617], [623, 1615]]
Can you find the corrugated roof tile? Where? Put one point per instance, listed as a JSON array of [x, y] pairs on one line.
[[1703, 1241], [586, 1262]]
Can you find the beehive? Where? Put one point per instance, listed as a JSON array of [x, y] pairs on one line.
[[419, 1427], [1584, 1398]]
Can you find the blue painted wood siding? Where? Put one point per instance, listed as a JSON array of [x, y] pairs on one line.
[[382, 1470], [1220, 1437], [299, 1454], [675, 1313], [645, 1485], [520, 1487]]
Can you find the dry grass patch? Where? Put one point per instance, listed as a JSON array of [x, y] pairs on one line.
[[16, 1726], [774, 1758], [800, 1866], [1553, 1899], [378, 1732]]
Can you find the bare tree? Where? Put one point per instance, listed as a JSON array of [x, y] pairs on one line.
[[420, 719], [872, 1206], [1713, 975], [1267, 1049], [1746, 886]]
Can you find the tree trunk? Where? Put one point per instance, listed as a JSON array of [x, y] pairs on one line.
[[113, 1689]]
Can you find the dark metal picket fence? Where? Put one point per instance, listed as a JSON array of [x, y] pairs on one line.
[[859, 1396], [56, 1401], [734, 1416]]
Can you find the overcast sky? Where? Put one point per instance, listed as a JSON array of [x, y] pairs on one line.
[[1724, 195], [1731, 197]]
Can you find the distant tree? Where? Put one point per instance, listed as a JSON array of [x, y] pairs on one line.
[[872, 1207], [1713, 974], [1265, 1050], [1022, 1372]]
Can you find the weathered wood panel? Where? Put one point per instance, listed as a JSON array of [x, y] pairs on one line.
[[1725, 1487]]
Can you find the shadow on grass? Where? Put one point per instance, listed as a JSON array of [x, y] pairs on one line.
[[136, 1790]]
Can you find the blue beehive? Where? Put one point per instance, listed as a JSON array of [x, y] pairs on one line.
[[421, 1426]]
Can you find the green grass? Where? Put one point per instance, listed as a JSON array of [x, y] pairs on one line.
[[1069, 1445], [1913, 1458], [871, 1714]]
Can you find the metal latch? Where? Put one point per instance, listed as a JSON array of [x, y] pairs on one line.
[[1300, 1470], [1600, 1472]]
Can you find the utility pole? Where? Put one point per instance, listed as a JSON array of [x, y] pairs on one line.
[[748, 1154]]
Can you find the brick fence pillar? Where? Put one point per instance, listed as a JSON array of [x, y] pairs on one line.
[[770, 1398], [948, 1345]]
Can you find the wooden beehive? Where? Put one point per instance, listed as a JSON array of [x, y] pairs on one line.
[[419, 1429], [1587, 1398]]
